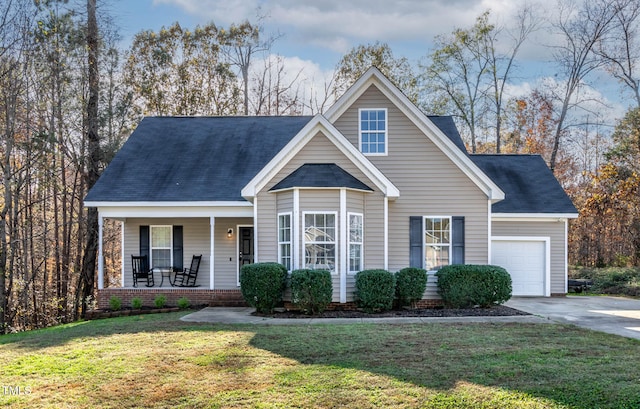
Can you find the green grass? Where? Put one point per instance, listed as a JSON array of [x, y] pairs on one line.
[[158, 361]]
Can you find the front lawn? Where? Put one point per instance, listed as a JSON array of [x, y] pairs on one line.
[[159, 361]]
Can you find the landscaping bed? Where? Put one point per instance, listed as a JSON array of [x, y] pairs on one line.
[[97, 314], [496, 311]]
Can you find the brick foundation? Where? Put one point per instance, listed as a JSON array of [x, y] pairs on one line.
[[213, 298], [430, 303], [227, 298]]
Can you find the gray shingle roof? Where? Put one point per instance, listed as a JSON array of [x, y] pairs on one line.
[[320, 175], [193, 158], [448, 127], [213, 158], [528, 184]]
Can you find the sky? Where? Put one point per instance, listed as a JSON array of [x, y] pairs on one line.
[[314, 35]]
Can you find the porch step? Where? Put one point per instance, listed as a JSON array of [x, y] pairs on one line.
[[228, 299]]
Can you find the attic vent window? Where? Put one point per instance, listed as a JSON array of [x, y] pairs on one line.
[[373, 131]]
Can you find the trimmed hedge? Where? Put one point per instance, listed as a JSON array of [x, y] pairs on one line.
[[411, 283], [468, 285], [375, 290], [311, 290], [262, 285]]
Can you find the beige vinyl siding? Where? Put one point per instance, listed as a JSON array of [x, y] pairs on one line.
[[284, 201], [225, 274], [266, 230], [430, 183], [355, 201], [312, 200], [374, 231], [555, 231], [195, 242], [319, 150]]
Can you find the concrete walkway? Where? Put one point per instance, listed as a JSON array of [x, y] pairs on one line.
[[242, 315], [614, 315]]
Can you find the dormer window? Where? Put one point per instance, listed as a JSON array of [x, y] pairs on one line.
[[373, 131]]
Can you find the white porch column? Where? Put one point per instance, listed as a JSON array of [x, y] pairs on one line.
[[255, 230], [100, 255], [296, 247], [212, 258], [343, 246], [386, 233]]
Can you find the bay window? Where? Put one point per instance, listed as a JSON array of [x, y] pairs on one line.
[[284, 240], [355, 242], [320, 241]]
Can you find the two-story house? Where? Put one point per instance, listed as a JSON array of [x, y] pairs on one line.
[[371, 183]]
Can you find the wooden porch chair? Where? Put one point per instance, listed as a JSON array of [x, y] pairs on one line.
[[188, 276], [141, 271]]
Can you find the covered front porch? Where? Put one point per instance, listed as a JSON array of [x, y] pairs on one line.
[[169, 237]]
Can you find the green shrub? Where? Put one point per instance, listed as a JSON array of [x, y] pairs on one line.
[[160, 301], [611, 280], [375, 290], [262, 285], [311, 290], [410, 285], [466, 285], [183, 303], [136, 303], [115, 303]]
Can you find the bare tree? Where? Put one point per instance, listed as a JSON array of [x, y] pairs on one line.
[[620, 49], [88, 269], [241, 42], [455, 77], [15, 17], [581, 30], [274, 91], [501, 64]]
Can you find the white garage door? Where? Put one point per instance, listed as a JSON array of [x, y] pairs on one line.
[[525, 261]]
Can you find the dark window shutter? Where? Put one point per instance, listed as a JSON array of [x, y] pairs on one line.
[[178, 254], [457, 240], [144, 241], [416, 232]]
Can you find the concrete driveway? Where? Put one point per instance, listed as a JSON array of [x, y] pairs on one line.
[[620, 316]]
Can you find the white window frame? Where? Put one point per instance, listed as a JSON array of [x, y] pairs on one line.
[[385, 132], [355, 243], [425, 244], [285, 242], [334, 242], [151, 247]]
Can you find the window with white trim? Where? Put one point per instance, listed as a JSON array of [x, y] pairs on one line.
[[161, 246], [355, 242], [373, 131], [437, 242], [320, 241], [284, 239]]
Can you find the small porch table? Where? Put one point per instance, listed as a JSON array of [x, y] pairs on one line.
[[164, 272]]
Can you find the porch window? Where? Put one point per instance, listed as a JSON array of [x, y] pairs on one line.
[[284, 240], [355, 242], [161, 246], [437, 239], [373, 131], [320, 241]]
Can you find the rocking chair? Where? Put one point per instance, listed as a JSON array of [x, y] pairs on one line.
[[141, 271], [188, 276]]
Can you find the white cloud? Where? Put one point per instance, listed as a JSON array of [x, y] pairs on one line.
[[339, 25]]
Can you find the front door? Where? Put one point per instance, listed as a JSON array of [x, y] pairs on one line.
[[245, 247]]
